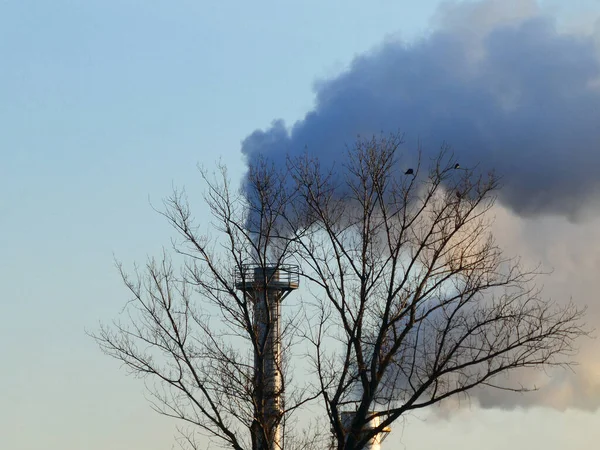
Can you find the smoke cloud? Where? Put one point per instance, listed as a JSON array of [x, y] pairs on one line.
[[499, 82], [496, 80], [572, 252]]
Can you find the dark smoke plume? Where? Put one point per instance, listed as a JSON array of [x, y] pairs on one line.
[[504, 89]]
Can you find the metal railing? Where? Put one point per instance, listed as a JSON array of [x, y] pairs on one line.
[[280, 276]]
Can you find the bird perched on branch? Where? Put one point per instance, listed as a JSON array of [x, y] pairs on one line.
[[457, 166], [409, 172]]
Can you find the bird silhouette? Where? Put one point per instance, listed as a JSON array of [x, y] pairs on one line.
[[409, 172], [457, 166]]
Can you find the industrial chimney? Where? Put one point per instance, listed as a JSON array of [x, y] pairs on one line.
[[266, 287], [375, 442]]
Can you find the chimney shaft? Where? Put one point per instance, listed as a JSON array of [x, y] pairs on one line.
[[267, 287]]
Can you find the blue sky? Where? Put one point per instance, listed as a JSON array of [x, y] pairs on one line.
[[104, 106]]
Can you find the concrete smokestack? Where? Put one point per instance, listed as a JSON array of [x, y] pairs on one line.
[[267, 286], [375, 442]]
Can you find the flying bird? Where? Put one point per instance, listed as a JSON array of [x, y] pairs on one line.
[[409, 172], [457, 166]]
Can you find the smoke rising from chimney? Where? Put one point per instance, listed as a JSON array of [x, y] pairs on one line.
[[495, 80], [507, 90]]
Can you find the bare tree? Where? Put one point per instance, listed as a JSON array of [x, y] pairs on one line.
[[411, 301], [192, 333], [414, 300]]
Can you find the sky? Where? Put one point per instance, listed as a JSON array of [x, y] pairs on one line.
[[106, 105]]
